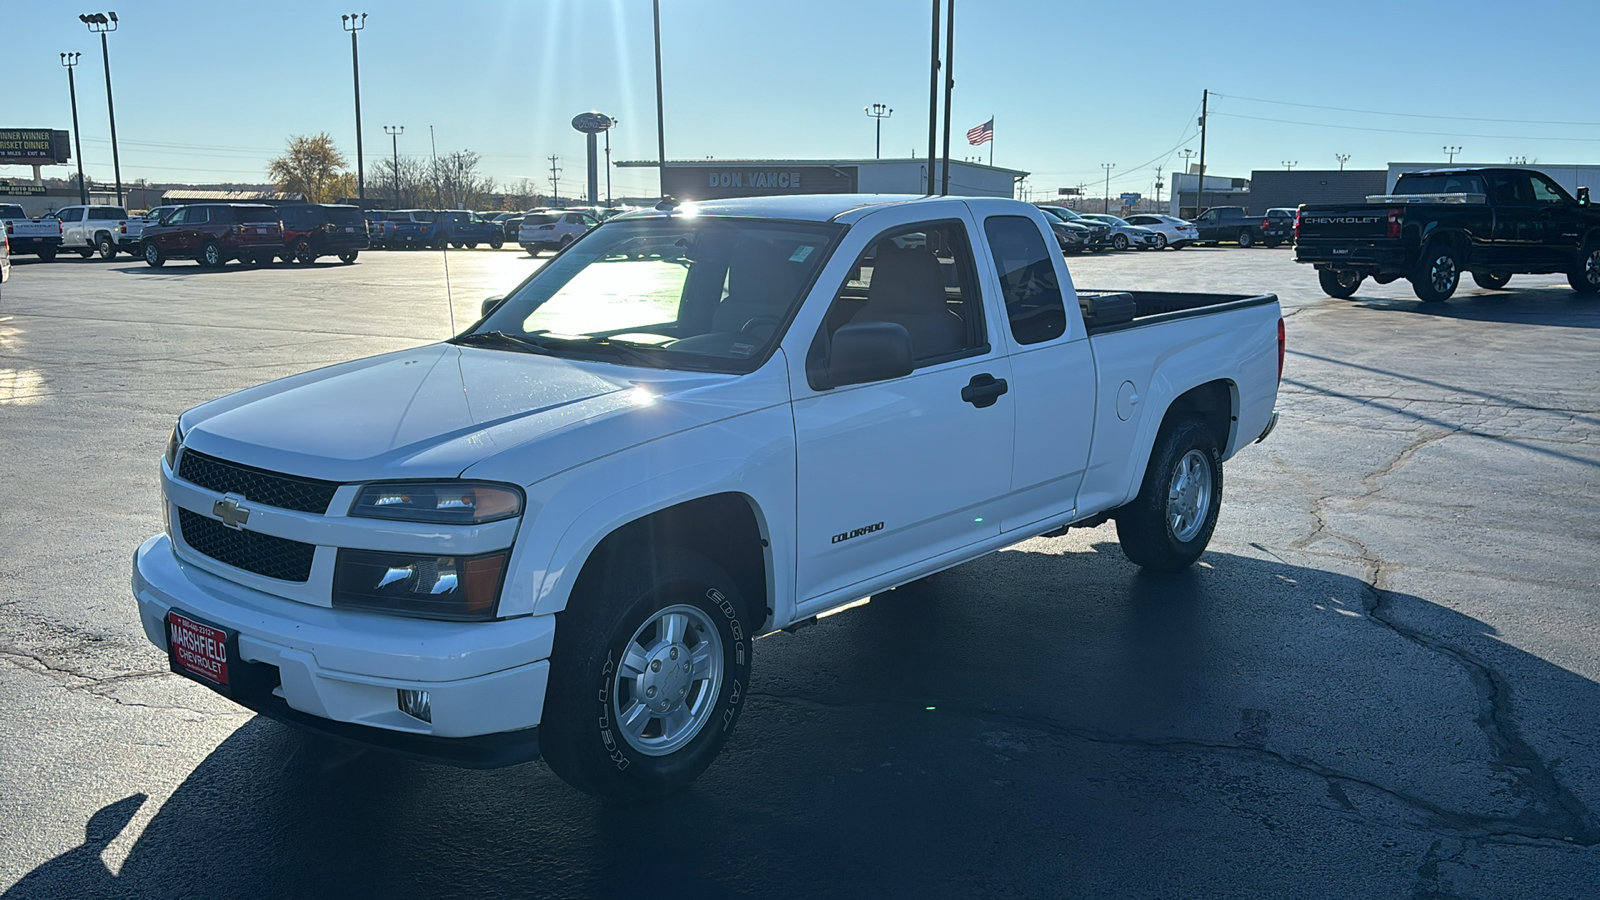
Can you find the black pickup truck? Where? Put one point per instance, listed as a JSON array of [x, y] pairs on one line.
[[1490, 222]]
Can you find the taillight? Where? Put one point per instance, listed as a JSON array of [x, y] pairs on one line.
[[60, 228], [1265, 224], [1393, 229], [1297, 224], [1281, 346]]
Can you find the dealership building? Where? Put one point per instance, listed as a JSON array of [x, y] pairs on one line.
[[721, 179]]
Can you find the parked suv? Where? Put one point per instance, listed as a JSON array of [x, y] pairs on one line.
[[130, 241], [213, 233], [553, 229], [322, 229], [92, 229]]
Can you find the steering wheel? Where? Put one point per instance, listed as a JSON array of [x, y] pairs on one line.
[[759, 328]]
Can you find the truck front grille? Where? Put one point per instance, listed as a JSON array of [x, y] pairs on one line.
[[269, 488], [263, 554]]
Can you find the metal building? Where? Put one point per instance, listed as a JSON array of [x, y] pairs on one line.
[[1272, 189]]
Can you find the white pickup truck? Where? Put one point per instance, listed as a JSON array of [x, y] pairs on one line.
[[559, 531], [93, 229], [41, 237]]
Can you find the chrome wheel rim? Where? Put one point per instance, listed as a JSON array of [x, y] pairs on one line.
[[1161, 241], [1591, 267], [150, 252], [666, 684], [1443, 274], [212, 256], [1189, 496], [1348, 279]]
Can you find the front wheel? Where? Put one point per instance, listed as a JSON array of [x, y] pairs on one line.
[[648, 674], [1161, 241], [86, 252], [1246, 238], [1169, 524], [1437, 275], [1341, 283], [303, 254], [1119, 241], [47, 253], [152, 256], [1493, 281], [1585, 276], [347, 257]]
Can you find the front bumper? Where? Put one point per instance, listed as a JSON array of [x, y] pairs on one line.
[[339, 671]]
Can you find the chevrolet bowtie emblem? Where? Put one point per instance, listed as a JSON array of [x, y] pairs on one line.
[[230, 512]]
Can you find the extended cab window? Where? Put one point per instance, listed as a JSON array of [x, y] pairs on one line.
[[1545, 190], [920, 277], [652, 292], [1027, 279]]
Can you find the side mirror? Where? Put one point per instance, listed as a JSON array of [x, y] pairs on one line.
[[867, 351], [489, 305], [1583, 196]]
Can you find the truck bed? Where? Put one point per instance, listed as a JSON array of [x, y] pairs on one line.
[[1107, 311]]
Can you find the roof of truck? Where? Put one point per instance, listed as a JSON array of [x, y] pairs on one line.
[[799, 207]]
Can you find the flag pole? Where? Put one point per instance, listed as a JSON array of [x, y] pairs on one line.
[[991, 141]]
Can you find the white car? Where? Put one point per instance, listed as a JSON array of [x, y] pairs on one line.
[[553, 229], [1174, 232], [559, 532], [1125, 235]]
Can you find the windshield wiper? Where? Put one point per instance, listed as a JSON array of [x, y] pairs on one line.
[[602, 345], [501, 340]]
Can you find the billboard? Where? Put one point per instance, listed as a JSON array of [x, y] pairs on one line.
[[33, 146]]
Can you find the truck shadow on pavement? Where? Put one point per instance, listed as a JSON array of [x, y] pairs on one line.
[[1041, 722], [1542, 305]]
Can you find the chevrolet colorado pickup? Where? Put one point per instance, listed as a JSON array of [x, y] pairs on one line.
[[1438, 224], [559, 531]]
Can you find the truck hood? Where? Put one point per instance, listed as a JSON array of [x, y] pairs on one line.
[[430, 412]]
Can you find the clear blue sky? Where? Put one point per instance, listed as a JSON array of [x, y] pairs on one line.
[[210, 91]]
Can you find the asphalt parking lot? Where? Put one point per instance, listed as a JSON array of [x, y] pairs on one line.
[[1382, 680]]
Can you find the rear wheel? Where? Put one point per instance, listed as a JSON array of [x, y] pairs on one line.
[[1341, 283], [211, 256], [1169, 524], [647, 677], [347, 257], [1585, 276], [303, 253], [152, 256], [440, 242], [1438, 274], [1494, 281], [472, 245], [47, 253], [106, 247], [1246, 238]]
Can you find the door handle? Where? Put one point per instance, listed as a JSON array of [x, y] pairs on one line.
[[984, 389]]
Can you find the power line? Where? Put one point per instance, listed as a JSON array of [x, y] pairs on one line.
[[1450, 134], [1375, 112]]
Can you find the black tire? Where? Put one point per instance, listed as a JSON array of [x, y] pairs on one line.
[[211, 256], [1341, 283], [86, 252], [47, 254], [349, 256], [565, 240], [153, 256], [1438, 273], [106, 247], [1491, 281], [472, 245], [302, 252], [1585, 275], [496, 242], [440, 242], [1181, 244], [582, 734], [1246, 238], [1119, 241], [1146, 527]]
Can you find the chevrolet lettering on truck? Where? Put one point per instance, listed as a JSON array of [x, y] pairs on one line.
[[557, 533]]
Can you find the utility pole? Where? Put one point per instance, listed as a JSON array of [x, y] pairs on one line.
[[102, 24], [1108, 167], [933, 103], [394, 132], [1200, 194], [1342, 158], [878, 112], [661, 125], [353, 24], [70, 60], [555, 185], [1158, 188], [949, 85]]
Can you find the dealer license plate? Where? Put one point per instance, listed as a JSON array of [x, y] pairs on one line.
[[198, 650], [1341, 251]]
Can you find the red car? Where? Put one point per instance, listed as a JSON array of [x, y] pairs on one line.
[[213, 233]]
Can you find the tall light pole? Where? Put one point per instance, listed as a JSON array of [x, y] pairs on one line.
[[878, 112], [661, 123], [1289, 164], [608, 161], [394, 132], [353, 23], [1342, 158], [1452, 151], [70, 60], [102, 24], [1108, 167]]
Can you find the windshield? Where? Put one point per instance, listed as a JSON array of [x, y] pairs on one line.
[[1439, 184], [682, 292], [1111, 220]]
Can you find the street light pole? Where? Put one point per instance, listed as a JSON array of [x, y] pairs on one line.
[[1452, 151], [70, 60], [1342, 158], [661, 123], [878, 112], [102, 24], [1108, 167], [608, 162], [353, 23], [394, 132], [1289, 164]]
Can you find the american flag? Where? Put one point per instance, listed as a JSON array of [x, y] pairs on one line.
[[983, 134]]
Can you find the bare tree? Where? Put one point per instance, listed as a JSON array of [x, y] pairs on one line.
[[457, 184], [408, 186]]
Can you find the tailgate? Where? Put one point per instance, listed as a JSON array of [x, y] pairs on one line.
[[1344, 223]]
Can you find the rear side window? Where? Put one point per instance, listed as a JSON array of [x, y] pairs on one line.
[[344, 216], [105, 213], [71, 215], [1027, 279]]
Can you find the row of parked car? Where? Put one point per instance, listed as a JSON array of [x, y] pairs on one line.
[[1077, 232]]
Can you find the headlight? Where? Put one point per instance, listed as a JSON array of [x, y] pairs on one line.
[[461, 588], [438, 502], [174, 441]]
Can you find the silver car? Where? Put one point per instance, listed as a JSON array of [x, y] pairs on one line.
[[1175, 232], [1125, 235]]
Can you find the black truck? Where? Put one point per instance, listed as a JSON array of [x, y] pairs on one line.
[[1440, 223]]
